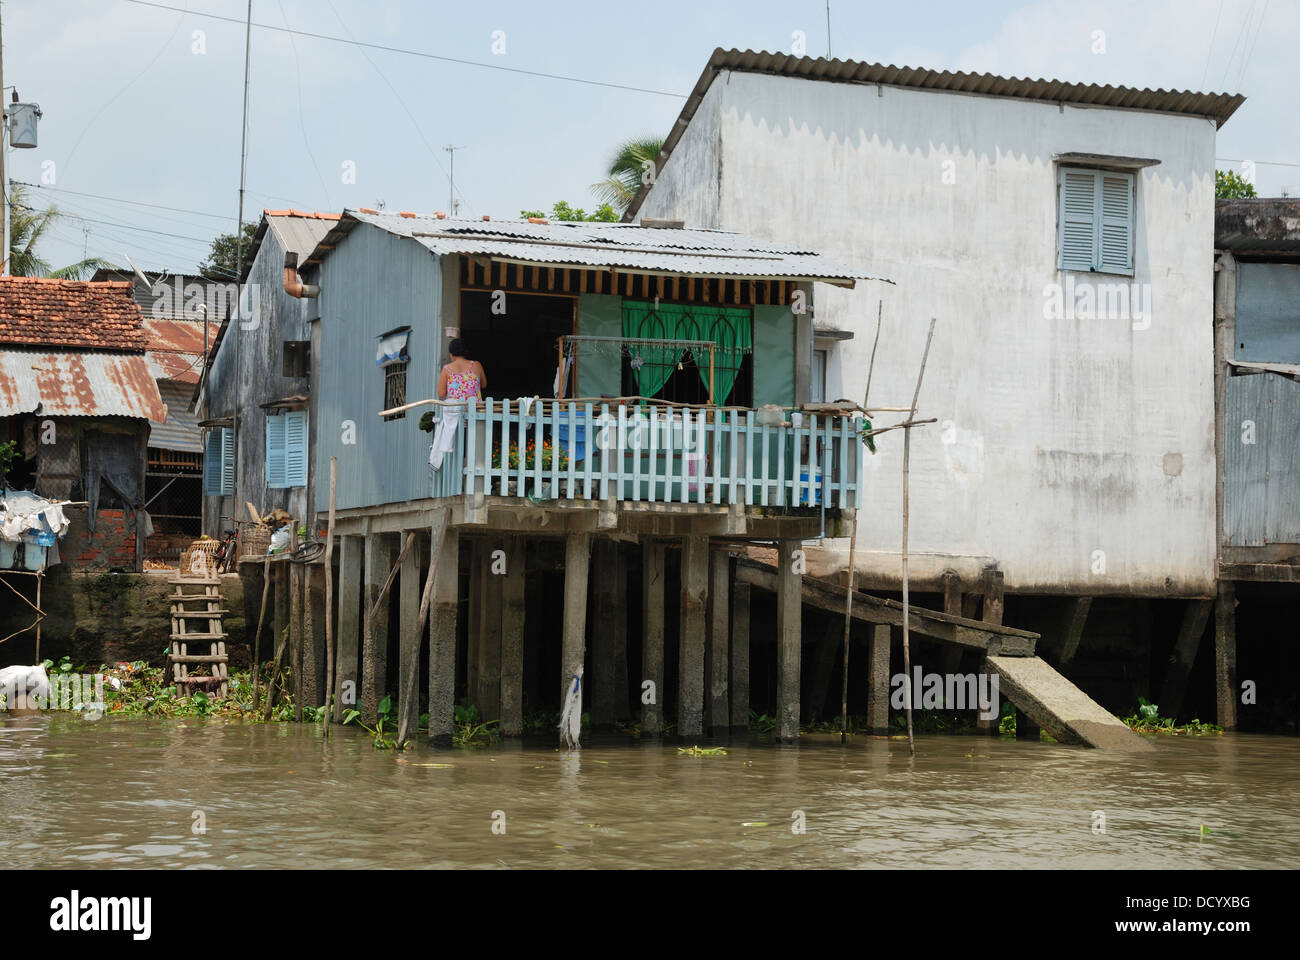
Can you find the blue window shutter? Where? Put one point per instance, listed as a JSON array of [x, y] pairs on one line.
[[227, 462], [275, 452], [1078, 225], [212, 463], [1115, 228], [295, 446]]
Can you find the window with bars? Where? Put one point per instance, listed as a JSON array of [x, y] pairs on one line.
[[1095, 220], [395, 388]]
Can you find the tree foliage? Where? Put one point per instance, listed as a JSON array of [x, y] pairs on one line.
[[222, 262], [633, 161], [562, 212], [26, 227], [1232, 186]]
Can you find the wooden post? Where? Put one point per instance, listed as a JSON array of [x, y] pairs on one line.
[[1225, 654], [295, 628], [313, 632], [257, 634], [1072, 622], [445, 546], [992, 613], [327, 708], [652, 646], [512, 639], [345, 679], [607, 601], [280, 600], [878, 681], [374, 654], [1174, 687], [690, 674], [410, 640], [488, 696], [789, 613], [577, 557], [719, 712]]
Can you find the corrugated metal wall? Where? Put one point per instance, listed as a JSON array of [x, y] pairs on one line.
[[373, 283], [1268, 312], [1261, 482]]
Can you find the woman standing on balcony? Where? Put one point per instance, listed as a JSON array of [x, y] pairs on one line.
[[462, 378]]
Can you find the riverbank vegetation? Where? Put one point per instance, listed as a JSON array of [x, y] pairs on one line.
[[1147, 719]]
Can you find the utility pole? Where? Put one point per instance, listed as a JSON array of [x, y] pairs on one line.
[[4, 174], [451, 180], [239, 268]]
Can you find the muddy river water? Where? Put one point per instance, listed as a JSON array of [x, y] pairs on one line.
[[166, 793]]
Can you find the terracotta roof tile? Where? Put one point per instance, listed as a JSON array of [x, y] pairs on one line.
[[76, 314]]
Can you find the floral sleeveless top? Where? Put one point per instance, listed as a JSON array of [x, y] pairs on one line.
[[463, 386]]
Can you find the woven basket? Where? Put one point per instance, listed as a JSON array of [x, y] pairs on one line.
[[254, 541], [199, 558]]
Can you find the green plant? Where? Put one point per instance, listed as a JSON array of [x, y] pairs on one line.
[[384, 737], [1148, 720], [8, 452], [468, 730], [1232, 186]]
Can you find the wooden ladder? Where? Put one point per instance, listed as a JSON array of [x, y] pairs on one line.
[[203, 612]]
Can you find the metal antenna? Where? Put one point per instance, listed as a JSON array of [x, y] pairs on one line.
[[451, 179]]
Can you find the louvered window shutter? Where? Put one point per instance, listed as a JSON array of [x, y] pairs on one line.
[[1078, 228], [295, 445], [212, 463], [1116, 227], [275, 452], [227, 462]]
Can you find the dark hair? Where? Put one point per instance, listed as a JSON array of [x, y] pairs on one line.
[[457, 348]]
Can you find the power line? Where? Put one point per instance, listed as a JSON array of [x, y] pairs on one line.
[[412, 53], [1258, 163], [125, 226], [138, 203]]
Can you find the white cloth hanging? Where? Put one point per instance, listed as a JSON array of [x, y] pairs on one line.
[[444, 437]]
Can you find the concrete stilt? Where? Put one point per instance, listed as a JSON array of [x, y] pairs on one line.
[[622, 710], [374, 630], [719, 706], [280, 615], [789, 611], [409, 585], [652, 646], [695, 594], [474, 610], [349, 625], [1174, 686], [878, 681], [442, 634], [607, 603], [512, 639], [952, 603], [1073, 619], [313, 629], [577, 558], [739, 657], [1225, 654], [488, 696]]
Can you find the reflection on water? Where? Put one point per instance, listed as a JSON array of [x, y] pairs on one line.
[[121, 792]]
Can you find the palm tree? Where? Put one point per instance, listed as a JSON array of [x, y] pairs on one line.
[[26, 225], [627, 167]]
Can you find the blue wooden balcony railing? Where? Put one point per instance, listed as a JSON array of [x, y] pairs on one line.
[[572, 451]]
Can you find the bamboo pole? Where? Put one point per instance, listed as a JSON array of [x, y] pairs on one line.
[[392, 575], [257, 637], [907, 450], [853, 548], [329, 598]]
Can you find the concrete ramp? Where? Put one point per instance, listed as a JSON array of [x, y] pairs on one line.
[[1067, 713]]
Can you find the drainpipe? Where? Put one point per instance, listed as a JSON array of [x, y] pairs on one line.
[[292, 285]]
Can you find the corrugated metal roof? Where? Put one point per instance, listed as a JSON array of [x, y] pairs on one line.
[[181, 431], [78, 384], [711, 253], [1217, 106], [175, 348], [1257, 224], [298, 232]]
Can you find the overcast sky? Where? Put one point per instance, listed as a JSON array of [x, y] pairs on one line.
[[142, 103]]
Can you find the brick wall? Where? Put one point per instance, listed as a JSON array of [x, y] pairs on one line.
[[110, 547]]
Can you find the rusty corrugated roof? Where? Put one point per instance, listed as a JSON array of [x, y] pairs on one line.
[[1217, 106], [174, 348], [78, 384]]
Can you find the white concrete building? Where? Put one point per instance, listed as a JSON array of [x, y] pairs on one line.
[[1063, 237]]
